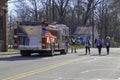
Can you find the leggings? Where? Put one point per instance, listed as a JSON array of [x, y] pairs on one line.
[[87, 49]]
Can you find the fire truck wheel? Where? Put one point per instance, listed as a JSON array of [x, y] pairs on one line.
[[63, 51], [25, 53], [42, 53]]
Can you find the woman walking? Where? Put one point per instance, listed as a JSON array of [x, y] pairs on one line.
[[87, 46], [99, 45]]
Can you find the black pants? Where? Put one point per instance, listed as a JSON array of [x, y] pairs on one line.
[[87, 49], [99, 50], [107, 48]]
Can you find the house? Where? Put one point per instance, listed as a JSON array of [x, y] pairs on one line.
[[3, 25]]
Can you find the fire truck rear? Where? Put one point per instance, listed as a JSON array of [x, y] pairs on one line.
[[32, 37]]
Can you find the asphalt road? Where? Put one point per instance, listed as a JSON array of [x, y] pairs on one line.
[[73, 66]]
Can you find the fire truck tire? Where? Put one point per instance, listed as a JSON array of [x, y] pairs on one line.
[[63, 51], [25, 53], [42, 53]]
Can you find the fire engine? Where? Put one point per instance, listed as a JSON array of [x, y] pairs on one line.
[[34, 37]]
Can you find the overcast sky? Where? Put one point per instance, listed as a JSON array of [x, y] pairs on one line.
[[11, 8]]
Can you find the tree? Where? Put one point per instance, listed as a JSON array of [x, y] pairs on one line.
[[28, 10], [62, 7], [104, 14]]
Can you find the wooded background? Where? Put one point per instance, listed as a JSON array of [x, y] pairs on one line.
[[104, 14]]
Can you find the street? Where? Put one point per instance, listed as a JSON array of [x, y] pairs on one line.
[[72, 66]]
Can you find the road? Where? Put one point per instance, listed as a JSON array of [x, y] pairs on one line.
[[73, 66]]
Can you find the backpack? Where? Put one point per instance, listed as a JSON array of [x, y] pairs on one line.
[[87, 44], [107, 43], [99, 43]]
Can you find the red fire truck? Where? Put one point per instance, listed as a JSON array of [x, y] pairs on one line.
[[33, 37]]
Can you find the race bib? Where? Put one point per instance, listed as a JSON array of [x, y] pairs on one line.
[[107, 44]]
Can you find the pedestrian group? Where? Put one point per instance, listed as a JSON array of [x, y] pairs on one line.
[[98, 42]]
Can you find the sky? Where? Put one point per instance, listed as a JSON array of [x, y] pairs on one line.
[[11, 8]]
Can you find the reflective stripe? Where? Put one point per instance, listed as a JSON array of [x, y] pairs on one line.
[[73, 39], [50, 37], [48, 40]]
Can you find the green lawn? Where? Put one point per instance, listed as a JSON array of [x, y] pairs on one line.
[[13, 50]]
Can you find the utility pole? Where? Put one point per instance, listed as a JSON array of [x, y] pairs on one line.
[[53, 10], [10, 32], [93, 24]]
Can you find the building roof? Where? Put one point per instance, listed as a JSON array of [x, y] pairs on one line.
[[83, 30], [86, 30]]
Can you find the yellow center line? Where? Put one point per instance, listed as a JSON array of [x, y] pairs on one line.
[[29, 73]]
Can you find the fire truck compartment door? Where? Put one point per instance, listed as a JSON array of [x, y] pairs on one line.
[[33, 44], [34, 41], [59, 39]]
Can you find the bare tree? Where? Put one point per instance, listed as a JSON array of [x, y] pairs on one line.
[[28, 9], [62, 6], [105, 14], [90, 7]]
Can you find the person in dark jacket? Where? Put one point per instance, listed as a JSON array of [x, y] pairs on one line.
[[99, 45], [107, 44], [87, 46]]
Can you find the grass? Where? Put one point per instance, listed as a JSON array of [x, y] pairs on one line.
[[13, 50]]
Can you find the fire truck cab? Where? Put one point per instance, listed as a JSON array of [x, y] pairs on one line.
[[32, 37]]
